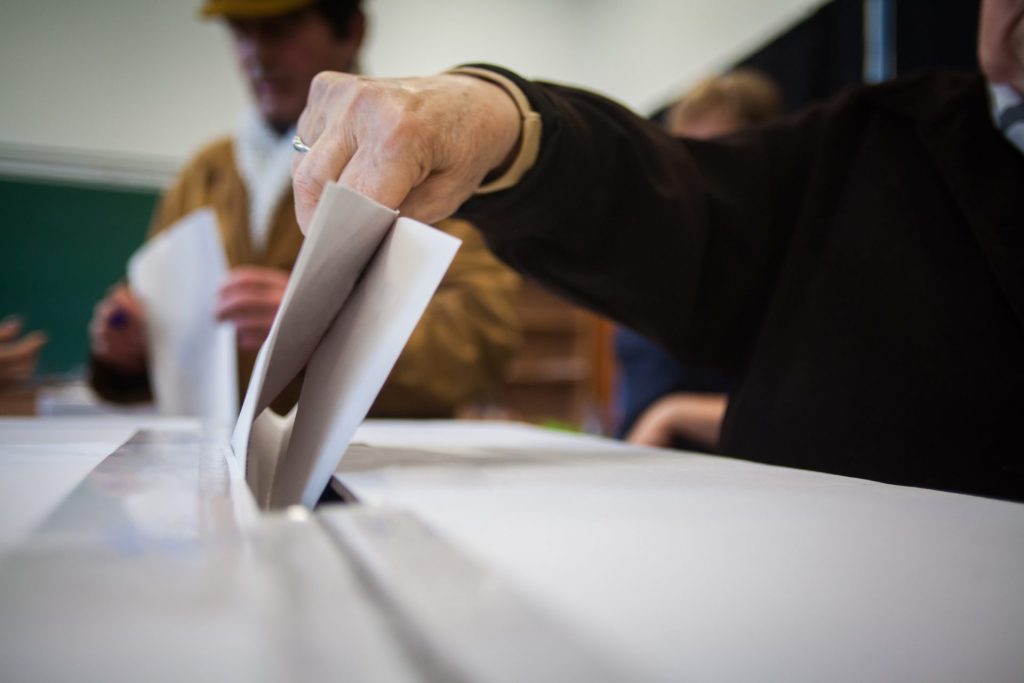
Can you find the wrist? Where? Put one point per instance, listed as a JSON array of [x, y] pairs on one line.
[[518, 152]]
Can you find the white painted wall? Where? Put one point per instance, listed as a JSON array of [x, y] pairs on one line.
[[146, 82]]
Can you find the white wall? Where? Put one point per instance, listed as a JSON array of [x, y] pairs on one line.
[[139, 84], [639, 51]]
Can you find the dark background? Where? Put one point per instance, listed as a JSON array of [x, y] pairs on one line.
[[825, 53]]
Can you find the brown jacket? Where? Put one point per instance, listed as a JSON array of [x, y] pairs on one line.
[[459, 350]]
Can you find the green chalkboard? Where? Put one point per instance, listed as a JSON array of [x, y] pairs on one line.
[[63, 246]]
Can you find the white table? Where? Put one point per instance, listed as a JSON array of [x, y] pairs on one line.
[[495, 552]]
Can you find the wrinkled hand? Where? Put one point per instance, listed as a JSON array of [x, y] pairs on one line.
[[697, 417], [421, 145], [250, 299], [18, 356], [117, 332]]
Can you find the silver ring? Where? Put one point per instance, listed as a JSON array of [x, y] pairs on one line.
[[298, 145]]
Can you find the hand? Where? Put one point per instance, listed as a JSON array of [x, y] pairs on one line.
[[18, 356], [421, 145], [697, 417], [117, 332], [250, 299]]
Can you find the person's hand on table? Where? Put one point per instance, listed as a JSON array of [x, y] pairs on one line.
[[420, 145], [697, 417], [117, 332], [18, 357], [250, 299]]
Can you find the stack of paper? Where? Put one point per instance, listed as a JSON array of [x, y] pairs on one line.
[[360, 285]]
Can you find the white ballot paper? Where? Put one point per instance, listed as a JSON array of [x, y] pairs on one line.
[[192, 357], [361, 283]]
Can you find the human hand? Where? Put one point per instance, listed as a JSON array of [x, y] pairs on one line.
[[117, 332], [697, 417], [250, 299], [421, 145], [18, 356]]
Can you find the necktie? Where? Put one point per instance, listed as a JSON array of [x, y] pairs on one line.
[[1008, 112]]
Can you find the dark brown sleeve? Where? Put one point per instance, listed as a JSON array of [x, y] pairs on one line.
[[118, 387], [679, 240]]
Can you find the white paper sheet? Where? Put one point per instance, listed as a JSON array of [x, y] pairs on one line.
[[192, 356], [346, 330]]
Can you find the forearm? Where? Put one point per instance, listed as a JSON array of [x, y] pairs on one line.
[[676, 239], [694, 417], [599, 196], [679, 240], [700, 417]]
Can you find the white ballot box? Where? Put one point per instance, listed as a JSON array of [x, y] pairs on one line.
[[495, 552]]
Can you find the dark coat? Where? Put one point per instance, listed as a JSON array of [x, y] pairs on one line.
[[859, 268]]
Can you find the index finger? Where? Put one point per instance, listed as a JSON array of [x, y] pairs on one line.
[[123, 297], [329, 93], [310, 174]]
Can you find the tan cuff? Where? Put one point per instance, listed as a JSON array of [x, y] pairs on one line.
[[529, 133]]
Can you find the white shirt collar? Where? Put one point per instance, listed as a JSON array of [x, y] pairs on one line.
[[264, 161]]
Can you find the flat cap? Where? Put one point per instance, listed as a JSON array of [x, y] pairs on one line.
[[251, 9]]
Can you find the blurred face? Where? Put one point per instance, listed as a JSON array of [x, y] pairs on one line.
[[710, 125], [279, 57], [1001, 42]]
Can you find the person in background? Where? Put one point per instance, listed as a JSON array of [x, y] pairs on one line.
[[856, 268], [663, 402], [470, 330], [18, 356]]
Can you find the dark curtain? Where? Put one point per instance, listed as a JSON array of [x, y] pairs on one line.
[[824, 53]]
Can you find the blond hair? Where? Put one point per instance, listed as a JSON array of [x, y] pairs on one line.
[[745, 95]]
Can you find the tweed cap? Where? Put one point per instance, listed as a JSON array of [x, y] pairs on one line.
[[251, 9]]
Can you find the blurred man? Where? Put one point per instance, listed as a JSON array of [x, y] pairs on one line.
[[460, 348], [856, 268]]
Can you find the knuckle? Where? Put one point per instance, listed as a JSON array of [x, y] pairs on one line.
[[322, 83], [367, 89], [331, 85]]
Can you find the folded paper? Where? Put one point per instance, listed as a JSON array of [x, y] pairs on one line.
[[358, 289]]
